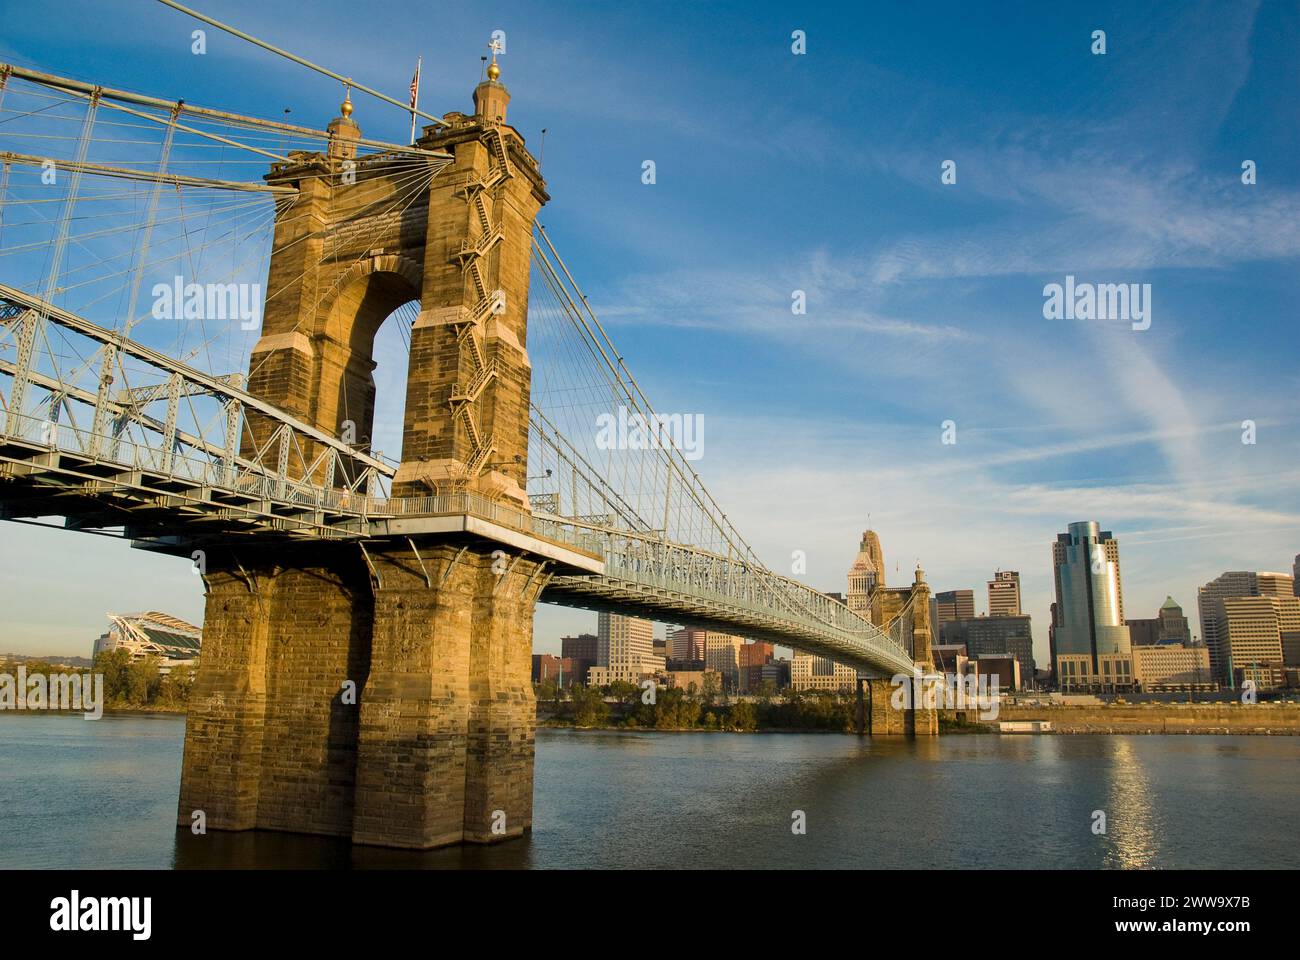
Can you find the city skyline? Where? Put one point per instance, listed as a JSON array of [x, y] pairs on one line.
[[550, 644]]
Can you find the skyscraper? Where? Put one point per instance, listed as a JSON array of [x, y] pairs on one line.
[[714, 650], [1260, 637], [686, 644], [1275, 584], [866, 575], [1209, 604], [1004, 594], [624, 648], [581, 647], [948, 606], [722, 653], [753, 657], [1229, 651], [1172, 624], [1090, 643], [811, 672], [580, 651], [989, 636]]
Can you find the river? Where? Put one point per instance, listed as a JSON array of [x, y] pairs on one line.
[[102, 794]]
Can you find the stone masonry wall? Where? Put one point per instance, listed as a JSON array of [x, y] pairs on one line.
[[438, 747]]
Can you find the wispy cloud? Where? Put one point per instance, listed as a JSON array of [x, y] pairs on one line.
[[1089, 213], [837, 297]]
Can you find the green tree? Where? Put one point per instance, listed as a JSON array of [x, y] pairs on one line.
[[114, 665], [624, 691], [142, 682], [710, 686], [589, 707], [546, 690], [666, 709], [174, 689], [744, 716], [688, 714]]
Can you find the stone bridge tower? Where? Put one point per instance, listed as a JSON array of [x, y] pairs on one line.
[[917, 719], [364, 237], [381, 692]]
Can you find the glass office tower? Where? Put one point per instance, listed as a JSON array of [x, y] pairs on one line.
[[1090, 641]]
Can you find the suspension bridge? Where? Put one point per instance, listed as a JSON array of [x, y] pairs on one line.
[[190, 304]]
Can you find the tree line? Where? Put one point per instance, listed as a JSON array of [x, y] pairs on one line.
[[141, 683], [126, 684], [677, 709]]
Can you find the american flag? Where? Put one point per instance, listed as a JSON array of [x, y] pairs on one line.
[[415, 86], [415, 95]]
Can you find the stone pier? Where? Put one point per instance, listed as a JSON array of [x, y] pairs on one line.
[[386, 710]]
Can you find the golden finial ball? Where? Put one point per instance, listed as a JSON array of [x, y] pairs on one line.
[[346, 107], [493, 71]]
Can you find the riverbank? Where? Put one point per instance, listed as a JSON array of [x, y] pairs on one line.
[[1233, 719], [1260, 719], [1263, 719], [551, 724], [150, 710], [147, 711]]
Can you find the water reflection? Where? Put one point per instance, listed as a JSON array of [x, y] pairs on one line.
[[1132, 820], [264, 849]]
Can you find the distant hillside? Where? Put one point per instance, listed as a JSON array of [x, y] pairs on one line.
[[78, 662]]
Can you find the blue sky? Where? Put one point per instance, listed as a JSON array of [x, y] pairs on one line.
[[821, 173]]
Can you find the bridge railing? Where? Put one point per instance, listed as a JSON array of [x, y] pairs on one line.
[[110, 449], [121, 454], [182, 421], [119, 451], [634, 558]]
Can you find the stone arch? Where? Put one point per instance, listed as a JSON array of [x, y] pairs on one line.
[[360, 300], [395, 263]]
